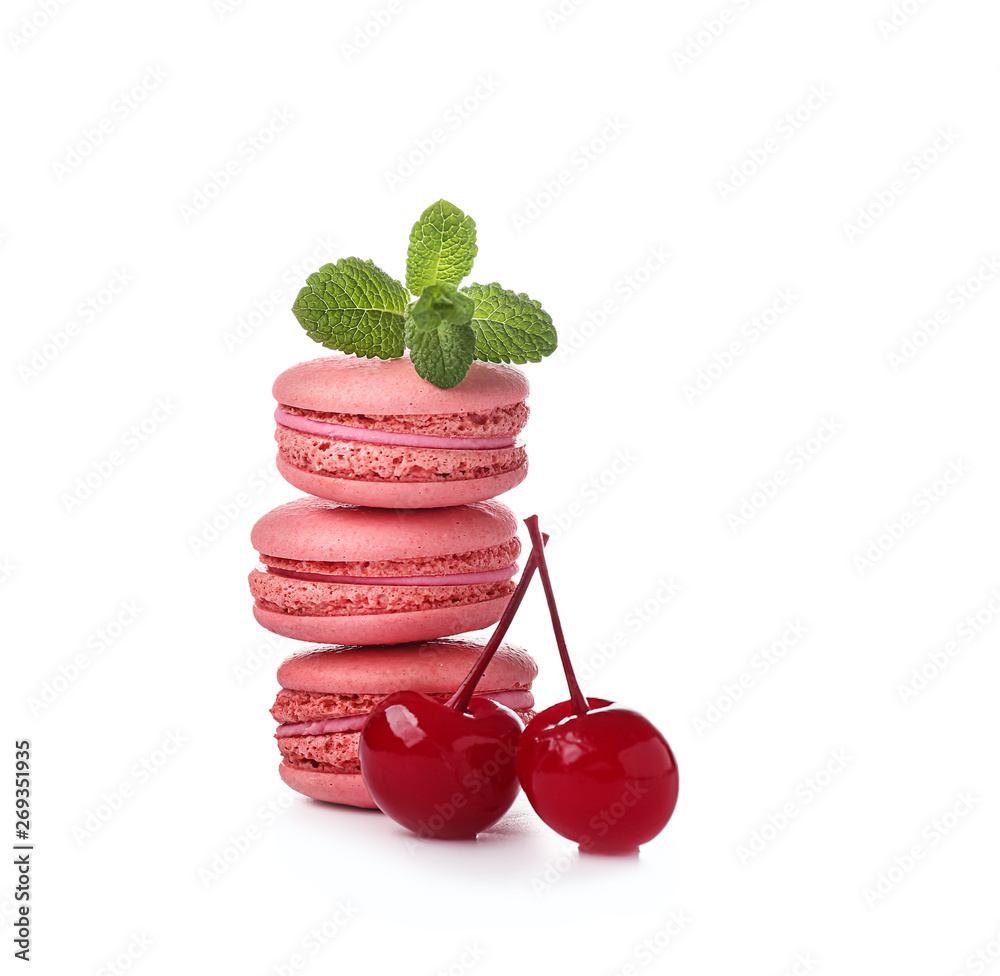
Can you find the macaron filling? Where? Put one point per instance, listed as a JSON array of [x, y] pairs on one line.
[[370, 435]]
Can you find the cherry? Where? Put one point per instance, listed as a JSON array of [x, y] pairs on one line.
[[445, 770], [595, 772], [606, 779], [438, 771]]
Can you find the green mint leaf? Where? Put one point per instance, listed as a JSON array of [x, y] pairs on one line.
[[353, 306], [509, 328], [442, 246], [441, 341]]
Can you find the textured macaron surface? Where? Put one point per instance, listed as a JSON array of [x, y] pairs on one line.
[[337, 753], [392, 463], [314, 599], [349, 385], [316, 529], [427, 666], [478, 561]]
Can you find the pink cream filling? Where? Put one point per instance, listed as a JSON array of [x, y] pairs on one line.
[[454, 579], [519, 700], [342, 432]]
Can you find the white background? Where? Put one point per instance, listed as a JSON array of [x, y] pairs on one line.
[[872, 205]]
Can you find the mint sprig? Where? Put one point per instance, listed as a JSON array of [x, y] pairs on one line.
[[356, 307], [509, 328], [353, 306], [441, 341], [442, 247]]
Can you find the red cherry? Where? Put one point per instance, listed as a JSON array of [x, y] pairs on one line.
[[605, 779], [446, 770], [437, 771], [595, 772]]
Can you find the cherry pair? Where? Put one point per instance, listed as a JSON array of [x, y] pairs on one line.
[[595, 772]]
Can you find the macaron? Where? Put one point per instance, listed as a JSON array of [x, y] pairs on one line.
[[327, 693], [342, 574], [372, 432]]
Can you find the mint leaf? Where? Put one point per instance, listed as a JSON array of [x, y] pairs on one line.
[[509, 327], [441, 341], [442, 246], [353, 306]]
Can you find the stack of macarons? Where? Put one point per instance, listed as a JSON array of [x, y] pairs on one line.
[[398, 543]]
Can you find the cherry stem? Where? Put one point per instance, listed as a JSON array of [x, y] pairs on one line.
[[460, 700], [580, 705]]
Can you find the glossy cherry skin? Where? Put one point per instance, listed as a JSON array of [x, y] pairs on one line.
[[606, 779], [439, 772]]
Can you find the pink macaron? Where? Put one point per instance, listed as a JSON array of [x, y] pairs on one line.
[[346, 575], [326, 695], [372, 432]]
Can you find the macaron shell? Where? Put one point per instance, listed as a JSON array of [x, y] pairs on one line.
[[347, 384], [318, 529], [383, 628], [374, 494], [427, 666], [344, 788]]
